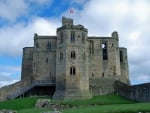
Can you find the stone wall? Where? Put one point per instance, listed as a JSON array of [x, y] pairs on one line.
[[140, 92], [44, 58], [6, 90], [101, 86], [27, 59]]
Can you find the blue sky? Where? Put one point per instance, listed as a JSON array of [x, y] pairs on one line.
[[20, 19]]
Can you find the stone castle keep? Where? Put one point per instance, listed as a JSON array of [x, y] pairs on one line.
[[70, 65]]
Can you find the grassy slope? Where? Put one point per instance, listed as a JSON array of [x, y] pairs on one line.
[[17, 104], [99, 100], [102, 104], [119, 108]]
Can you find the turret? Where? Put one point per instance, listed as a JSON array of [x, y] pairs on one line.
[[115, 35], [72, 80], [67, 21]]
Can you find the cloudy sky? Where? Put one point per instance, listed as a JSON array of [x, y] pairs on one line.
[[20, 19]]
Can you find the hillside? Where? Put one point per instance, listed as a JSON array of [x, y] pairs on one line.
[[98, 104]]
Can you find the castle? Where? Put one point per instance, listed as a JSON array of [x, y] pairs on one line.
[[71, 65]]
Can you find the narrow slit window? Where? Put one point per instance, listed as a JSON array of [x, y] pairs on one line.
[[61, 56], [46, 60], [103, 75], [83, 37], [91, 47], [121, 56], [73, 55], [61, 38], [72, 36]]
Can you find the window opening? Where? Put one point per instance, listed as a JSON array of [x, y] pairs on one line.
[[121, 56], [91, 47], [61, 38], [73, 55], [92, 74], [46, 60], [104, 49], [50, 75], [72, 71], [49, 45], [103, 75], [61, 56], [72, 36], [83, 37]]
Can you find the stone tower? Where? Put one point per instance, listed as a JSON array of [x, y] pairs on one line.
[[72, 80]]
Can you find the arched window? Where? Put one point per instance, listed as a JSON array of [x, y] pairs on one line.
[[72, 70], [73, 55]]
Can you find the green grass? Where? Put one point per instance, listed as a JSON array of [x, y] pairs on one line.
[[118, 108], [33, 110], [99, 104], [99, 100], [21, 103]]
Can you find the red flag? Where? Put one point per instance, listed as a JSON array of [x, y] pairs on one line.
[[71, 11]]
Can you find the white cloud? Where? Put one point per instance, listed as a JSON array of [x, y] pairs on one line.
[[9, 74], [14, 38], [5, 83], [10, 68], [12, 9], [131, 20], [6, 74]]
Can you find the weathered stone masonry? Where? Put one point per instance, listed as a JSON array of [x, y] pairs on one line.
[[71, 65]]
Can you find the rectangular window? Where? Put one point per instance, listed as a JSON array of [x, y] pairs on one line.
[[72, 36], [61, 56], [46, 60], [72, 71], [83, 37], [104, 50], [91, 47], [49, 45], [121, 56], [61, 38]]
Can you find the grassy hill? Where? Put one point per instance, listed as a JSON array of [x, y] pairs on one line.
[[99, 104]]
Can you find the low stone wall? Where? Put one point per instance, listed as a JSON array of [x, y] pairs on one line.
[[6, 90], [139, 93], [101, 86]]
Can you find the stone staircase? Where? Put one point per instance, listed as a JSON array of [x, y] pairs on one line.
[[24, 89]]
